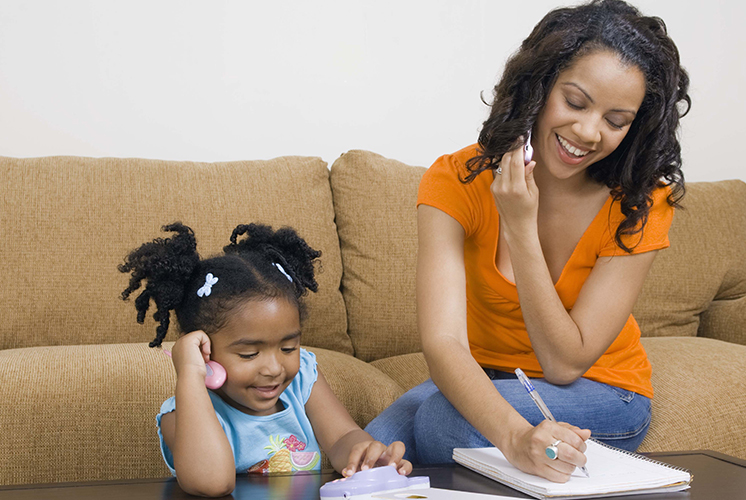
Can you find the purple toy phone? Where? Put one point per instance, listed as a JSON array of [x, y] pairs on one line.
[[363, 484], [528, 151], [216, 375]]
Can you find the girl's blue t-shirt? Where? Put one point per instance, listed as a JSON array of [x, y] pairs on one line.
[[282, 442]]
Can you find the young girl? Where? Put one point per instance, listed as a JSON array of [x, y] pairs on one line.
[[243, 310], [537, 265]]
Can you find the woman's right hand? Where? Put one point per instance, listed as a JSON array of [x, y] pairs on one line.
[[527, 450], [191, 352]]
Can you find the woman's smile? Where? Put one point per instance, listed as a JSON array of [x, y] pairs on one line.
[[574, 152]]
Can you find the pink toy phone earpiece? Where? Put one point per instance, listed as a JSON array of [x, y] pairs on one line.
[[216, 375], [528, 151]]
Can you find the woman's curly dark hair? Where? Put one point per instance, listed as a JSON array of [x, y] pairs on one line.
[[265, 265], [650, 153]]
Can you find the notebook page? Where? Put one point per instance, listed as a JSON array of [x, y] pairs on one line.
[[610, 470]]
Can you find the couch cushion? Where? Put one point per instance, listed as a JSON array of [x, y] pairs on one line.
[[700, 395], [407, 370], [67, 222], [82, 413], [87, 413], [705, 267], [374, 199]]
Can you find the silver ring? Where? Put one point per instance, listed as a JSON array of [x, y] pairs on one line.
[[552, 451], [499, 171]]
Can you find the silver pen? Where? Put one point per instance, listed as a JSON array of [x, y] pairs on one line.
[[540, 403]]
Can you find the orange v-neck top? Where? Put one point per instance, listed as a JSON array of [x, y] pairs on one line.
[[496, 330]]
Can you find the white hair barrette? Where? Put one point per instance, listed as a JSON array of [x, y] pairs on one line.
[[282, 270], [207, 287]]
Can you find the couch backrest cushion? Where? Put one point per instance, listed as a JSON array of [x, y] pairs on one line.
[[702, 276], [67, 222], [374, 199]]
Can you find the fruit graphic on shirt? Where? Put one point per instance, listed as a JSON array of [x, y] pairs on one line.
[[304, 460], [294, 444], [280, 455], [259, 468]]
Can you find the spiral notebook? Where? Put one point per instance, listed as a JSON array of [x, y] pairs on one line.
[[612, 472]]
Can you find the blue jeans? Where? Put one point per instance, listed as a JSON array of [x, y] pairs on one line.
[[430, 427]]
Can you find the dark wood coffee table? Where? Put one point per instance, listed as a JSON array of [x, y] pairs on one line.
[[716, 476]]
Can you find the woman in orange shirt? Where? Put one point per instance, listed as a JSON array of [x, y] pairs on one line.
[[537, 266]]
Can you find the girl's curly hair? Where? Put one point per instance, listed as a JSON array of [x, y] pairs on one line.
[[265, 265], [650, 154]]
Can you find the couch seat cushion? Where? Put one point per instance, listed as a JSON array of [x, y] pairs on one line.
[[407, 370], [700, 395]]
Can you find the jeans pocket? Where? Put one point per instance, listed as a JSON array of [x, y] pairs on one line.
[[624, 394]]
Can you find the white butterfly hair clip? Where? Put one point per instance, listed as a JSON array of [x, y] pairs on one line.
[[282, 270], [207, 287]]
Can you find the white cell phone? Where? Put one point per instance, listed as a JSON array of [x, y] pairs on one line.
[[528, 151]]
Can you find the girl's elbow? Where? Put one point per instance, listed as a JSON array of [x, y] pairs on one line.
[[210, 488]]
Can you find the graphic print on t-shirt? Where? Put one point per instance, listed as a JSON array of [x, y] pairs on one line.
[[286, 455]]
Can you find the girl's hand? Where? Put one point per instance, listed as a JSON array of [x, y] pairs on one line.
[[527, 451], [515, 192], [367, 454], [191, 352]]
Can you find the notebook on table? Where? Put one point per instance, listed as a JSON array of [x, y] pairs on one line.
[[612, 472]]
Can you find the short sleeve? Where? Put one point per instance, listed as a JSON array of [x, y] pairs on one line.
[[168, 406], [441, 187], [654, 235], [307, 374]]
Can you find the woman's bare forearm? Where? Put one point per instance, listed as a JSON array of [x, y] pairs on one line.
[[464, 383], [555, 337]]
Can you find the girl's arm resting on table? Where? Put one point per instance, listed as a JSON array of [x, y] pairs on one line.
[[441, 315], [348, 447], [203, 458]]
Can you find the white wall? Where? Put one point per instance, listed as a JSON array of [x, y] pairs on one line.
[[227, 80]]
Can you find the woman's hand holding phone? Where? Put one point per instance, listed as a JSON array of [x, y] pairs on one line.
[[514, 190]]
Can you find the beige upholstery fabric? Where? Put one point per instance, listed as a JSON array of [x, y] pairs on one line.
[[364, 390], [83, 413], [706, 262], [66, 223], [699, 399], [407, 370], [374, 199]]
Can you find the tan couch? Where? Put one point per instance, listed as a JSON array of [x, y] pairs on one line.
[[80, 388]]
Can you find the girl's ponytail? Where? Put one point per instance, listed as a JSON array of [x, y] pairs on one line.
[[167, 265], [283, 247]]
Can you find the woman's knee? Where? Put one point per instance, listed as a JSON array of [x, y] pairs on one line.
[[396, 423], [439, 427]]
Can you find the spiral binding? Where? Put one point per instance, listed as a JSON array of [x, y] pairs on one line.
[[644, 458]]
